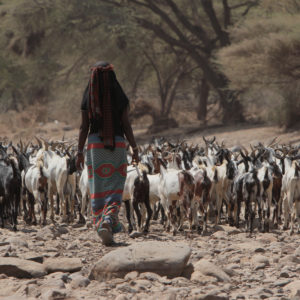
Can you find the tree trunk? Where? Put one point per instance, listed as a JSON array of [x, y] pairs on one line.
[[232, 108], [203, 92]]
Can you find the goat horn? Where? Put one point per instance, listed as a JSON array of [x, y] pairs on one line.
[[26, 147], [21, 145], [39, 142], [46, 144], [15, 150], [246, 151], [272, 142]]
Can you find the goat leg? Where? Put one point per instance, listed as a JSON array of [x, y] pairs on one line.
[[128, 216], [156, 210], [57, 205], [163, 215], [149, 215], [138, 213]]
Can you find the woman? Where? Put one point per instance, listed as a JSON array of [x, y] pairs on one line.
[[104, 112]]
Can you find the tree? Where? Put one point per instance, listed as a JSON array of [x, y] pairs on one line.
[[266, 53], [51, 43], [198, 29]]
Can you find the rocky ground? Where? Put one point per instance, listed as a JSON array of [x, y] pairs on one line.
[[55, 262]]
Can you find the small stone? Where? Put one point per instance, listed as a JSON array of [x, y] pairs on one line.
[[63, 265], [165, 281], [259, 250], [33, 256], [294, 288], [4, 244], [17, 242], [209, 269], [72, 247], [135, 234], [290, 258], [281, 283], [79, 282], [132, 275], [54, 294], [121, 297], [284, 275], [149, 276]]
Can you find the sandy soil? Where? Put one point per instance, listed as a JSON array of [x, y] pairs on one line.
[[239, 134]]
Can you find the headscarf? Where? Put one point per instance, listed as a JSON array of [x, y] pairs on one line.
[[100, 102]]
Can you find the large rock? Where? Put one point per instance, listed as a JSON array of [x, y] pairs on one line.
[[18, 242], [207, 268], [63, 265], [21, 268], [163, 258]]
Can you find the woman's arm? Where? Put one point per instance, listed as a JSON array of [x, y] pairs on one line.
[[83, 132], [129, 135]]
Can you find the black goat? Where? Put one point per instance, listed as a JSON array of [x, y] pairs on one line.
[[10, 190], [141, 190]]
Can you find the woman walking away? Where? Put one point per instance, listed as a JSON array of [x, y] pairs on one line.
[[104, 112]]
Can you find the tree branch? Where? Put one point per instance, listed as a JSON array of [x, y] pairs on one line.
[[196, 30], [222, 35], [227, 15]]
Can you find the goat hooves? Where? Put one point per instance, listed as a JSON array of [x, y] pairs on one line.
[[174, 232], [146, 230]]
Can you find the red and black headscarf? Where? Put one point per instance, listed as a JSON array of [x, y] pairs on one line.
[[100, 101]]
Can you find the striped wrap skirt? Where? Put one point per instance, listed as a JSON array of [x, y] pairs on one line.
[[106, 174]]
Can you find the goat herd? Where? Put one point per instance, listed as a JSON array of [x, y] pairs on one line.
[[179, 181]]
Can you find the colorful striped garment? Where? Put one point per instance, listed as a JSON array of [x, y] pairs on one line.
[[107, 173]]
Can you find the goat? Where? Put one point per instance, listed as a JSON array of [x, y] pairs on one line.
[[201, 195], [141, 196], [10, 188], [291, 193], [245, 189], [186, 195]]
